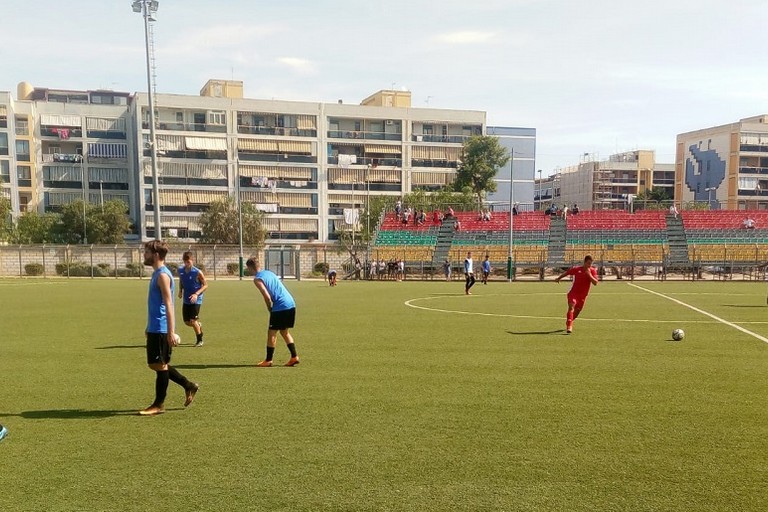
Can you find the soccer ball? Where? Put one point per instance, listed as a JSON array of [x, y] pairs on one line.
[[3, 432], [678, 334], [177, 339]]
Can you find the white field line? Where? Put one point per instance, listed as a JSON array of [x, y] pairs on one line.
[[705, 313], [410, 303]]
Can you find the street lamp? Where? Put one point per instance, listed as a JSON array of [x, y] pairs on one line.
[[511, 215], [239, 216], [709, 191], [539, 208], [148, 8]]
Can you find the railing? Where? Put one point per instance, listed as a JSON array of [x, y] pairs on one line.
[[356, 134], [361, 160], [60, 132], [277, 157], [753, 170], [187, 127], [451, 139], [434, 163], [22, 129], [71, 158], [276, 130]]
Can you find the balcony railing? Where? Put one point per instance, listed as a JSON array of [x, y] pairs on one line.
[[276, 130], [62, 157], [246, 182], [451, 139], [22, 129], [279, 157], [60, 132], [351, 134], [99, 134], [362, 160], [434, 163], [187, 127], [753, 170], [200, 155]]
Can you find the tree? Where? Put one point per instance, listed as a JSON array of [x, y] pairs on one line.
[[33, 228], [108, 223], [5, 218], [219, 223], [74, 225], [482, 157], [654, 194]]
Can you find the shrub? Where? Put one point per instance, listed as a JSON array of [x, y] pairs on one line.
[[173, 267], [135, 269], [33, 269], [65, 268], [321, 268], [233, 269]]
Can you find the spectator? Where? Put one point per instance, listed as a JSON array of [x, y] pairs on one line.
[[487, 215], [673, 210], [575, 209], [447, 270], [449, 212], [398, 209], [457, 225], [565, 211], [749, 223], [422, 217], [437, 217], [515, 210]]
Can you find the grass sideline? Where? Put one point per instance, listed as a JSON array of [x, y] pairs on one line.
[[485, 405]]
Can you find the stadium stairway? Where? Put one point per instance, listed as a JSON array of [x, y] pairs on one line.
[[443, 244], [556, 249], [678, 242]]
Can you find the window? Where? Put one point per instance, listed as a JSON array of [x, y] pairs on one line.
[[218, 118], [3, 143], [24, 172], [427, 129], [5, 171], [22, 146], [179, 117]]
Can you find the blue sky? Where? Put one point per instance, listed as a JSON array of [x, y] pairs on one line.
[[592, 76]]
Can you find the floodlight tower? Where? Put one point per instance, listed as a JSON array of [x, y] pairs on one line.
[[148, 8]]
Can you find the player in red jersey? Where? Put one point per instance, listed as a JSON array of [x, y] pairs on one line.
[[584, 276]]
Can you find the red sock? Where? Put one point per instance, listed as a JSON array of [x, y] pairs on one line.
[[569, 318]]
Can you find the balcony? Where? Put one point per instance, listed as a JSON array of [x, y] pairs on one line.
[[393, 162], [192, 154], [434, 163], [276, 130], [277, 157], [343, 134], [753, 170], [187, 127], [63, 157], [248, 183], [60, 132], [101, 134], [450, 139]]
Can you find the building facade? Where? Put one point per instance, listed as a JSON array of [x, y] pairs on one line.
[[613, 183], [521, 145], [725, 166], [302, 163]]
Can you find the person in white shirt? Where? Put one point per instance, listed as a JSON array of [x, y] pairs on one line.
[[469, 273], [749, 223], [673, 210]]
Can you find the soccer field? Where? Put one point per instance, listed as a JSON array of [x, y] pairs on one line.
[[409, 396]]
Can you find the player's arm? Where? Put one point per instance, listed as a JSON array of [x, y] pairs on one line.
[[558, 278], [203, 287], [593, 276], [164, 282], [264, 293]]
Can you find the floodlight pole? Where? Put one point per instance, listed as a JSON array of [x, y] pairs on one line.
[[511, 216], [239, 216], [147, 7]]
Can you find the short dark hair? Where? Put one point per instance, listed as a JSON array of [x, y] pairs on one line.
[[159, 247], [187, 255], [588, 257], [252, 263]]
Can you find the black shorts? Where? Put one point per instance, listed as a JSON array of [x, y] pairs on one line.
[[279, 320], [190, 311], [158, 349]]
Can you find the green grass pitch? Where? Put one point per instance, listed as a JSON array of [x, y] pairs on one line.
[[409, 397]]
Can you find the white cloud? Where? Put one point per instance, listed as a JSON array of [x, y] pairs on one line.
[[297, 64], [465, 37]]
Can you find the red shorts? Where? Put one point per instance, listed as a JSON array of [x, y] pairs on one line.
[[577, 301]]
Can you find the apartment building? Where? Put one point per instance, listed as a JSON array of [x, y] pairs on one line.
[[521, 145], [611, 183], [64, 145], [726, 166], [302, 163]]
